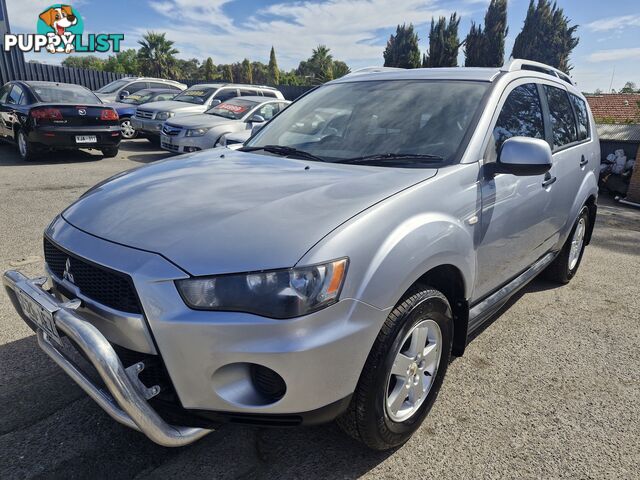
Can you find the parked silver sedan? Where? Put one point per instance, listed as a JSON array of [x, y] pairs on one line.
[[191, 133]]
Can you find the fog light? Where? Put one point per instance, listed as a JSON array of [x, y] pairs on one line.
[[191, 149]]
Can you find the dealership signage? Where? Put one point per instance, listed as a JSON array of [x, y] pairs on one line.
[[60, 30]]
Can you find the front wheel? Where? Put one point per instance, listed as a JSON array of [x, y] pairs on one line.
[[403, 373], [128, 132], [566, 264]]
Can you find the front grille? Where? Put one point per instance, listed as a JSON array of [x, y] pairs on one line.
[[168, 146], [144, 114], [169, 130], [107, 287]]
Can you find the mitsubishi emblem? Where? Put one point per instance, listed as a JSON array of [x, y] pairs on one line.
[[67, 275]]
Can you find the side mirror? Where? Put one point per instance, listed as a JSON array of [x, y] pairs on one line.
[[123, 94], [524, 156], [215, 102], [256, 119]]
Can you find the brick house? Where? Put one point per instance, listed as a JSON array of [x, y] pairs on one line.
[[617, 116]]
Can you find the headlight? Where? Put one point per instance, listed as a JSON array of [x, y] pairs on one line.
[[197, 132], [276, 294], [164, 115]]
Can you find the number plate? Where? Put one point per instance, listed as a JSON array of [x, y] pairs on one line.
[[39, 315], [86, 139]]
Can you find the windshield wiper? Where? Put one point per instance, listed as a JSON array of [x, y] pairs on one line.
[[285, 152], [381, 158]]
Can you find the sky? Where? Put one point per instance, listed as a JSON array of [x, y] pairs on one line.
[[356, 31]]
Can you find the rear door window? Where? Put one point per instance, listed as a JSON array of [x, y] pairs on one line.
[[582, 115], [563, 122], [521, 116]]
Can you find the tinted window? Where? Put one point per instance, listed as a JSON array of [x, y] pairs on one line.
[[14, 95], [521, 116], [226, 94], [583, 116], [4, 93], [248, 93], [269, 93], [563, 122], [64, 94], [135, 87], [113, 86]]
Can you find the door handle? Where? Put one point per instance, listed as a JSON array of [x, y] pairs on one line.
[[548, 180], [583, 161]]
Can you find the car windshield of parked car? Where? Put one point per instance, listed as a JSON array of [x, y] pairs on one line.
[[233, 109], [196, 95], [138, 98], [381, 122], [113, 86], [64, 94]]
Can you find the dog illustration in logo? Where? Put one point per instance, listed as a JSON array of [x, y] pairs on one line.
[[59, 19]]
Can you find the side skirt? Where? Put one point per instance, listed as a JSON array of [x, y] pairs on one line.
[[482, 311]]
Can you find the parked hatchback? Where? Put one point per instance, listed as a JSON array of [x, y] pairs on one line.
[[332, 266], [191, 133], [123, 87], [196, 99]]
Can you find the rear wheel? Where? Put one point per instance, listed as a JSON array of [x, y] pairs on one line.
[[26, 149], [403, 373], [128, 132], [566, 264], [109, 152]]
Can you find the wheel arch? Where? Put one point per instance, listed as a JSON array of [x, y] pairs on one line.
[[593, 210]]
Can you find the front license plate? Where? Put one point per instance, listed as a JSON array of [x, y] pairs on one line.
[[86, 139], [39, 315]]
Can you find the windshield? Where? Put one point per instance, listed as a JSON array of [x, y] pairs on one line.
[[113, 86], [233, 109], [138, 98], [196, 95], [421, 120], [65, 94]]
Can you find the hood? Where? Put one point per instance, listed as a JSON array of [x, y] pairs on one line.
[[224, 211], [199, 120], [172, 106]]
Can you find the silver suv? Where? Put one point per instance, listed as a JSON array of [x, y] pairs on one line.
[[123, 87], [332, 266]]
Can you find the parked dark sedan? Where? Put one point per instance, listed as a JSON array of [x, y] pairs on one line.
[[127, 106], [40, 116]]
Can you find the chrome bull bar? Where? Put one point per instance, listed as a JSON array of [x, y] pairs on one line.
[[126, 399]]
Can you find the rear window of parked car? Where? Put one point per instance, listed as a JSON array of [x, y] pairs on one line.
[[65, 94], [521, 116], [563, 122], [583, 116]]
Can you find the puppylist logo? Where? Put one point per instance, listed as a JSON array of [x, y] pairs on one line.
[[60, 30]]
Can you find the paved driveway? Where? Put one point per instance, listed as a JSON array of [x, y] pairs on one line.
[[549, 389]]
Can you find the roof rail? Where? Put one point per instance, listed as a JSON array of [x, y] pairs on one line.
[[372, 70], [516, 64]]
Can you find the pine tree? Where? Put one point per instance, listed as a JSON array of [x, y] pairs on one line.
[[402, 49], [228, 73], [475, 47], [247, 72], [495, 32], [209, 70], [546, 36], [443, 43], [274, 71]]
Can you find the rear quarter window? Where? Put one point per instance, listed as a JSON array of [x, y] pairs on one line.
[[582, 116]]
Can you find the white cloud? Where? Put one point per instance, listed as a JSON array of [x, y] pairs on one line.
[[614, 54], [349, 27], [614, 23]]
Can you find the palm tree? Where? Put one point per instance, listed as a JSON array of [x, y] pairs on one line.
[[156, 55]]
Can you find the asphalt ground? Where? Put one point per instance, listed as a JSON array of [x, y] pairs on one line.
[[549, 389]]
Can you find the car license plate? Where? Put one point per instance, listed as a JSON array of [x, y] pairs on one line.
[[167, 139], [86, 139], [39, 315]]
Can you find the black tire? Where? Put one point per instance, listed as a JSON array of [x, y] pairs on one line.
[[126, 129], [560, 270], [109, 152], [367, 419], [26, 149]]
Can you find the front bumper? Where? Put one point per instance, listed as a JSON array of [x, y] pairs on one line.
[[126, 400], [148, 127], [183, 144]]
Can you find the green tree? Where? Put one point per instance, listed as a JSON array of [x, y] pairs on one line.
[[443, 43], [157, 55], [340, 69], [402, 49], [209, 70], [228, 73], [546, 36], [247, 71], [629, 87], [86, 61], [188, 69], [318, 68], [125, 61], [274, 71], [475, 46], [495, 32]]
